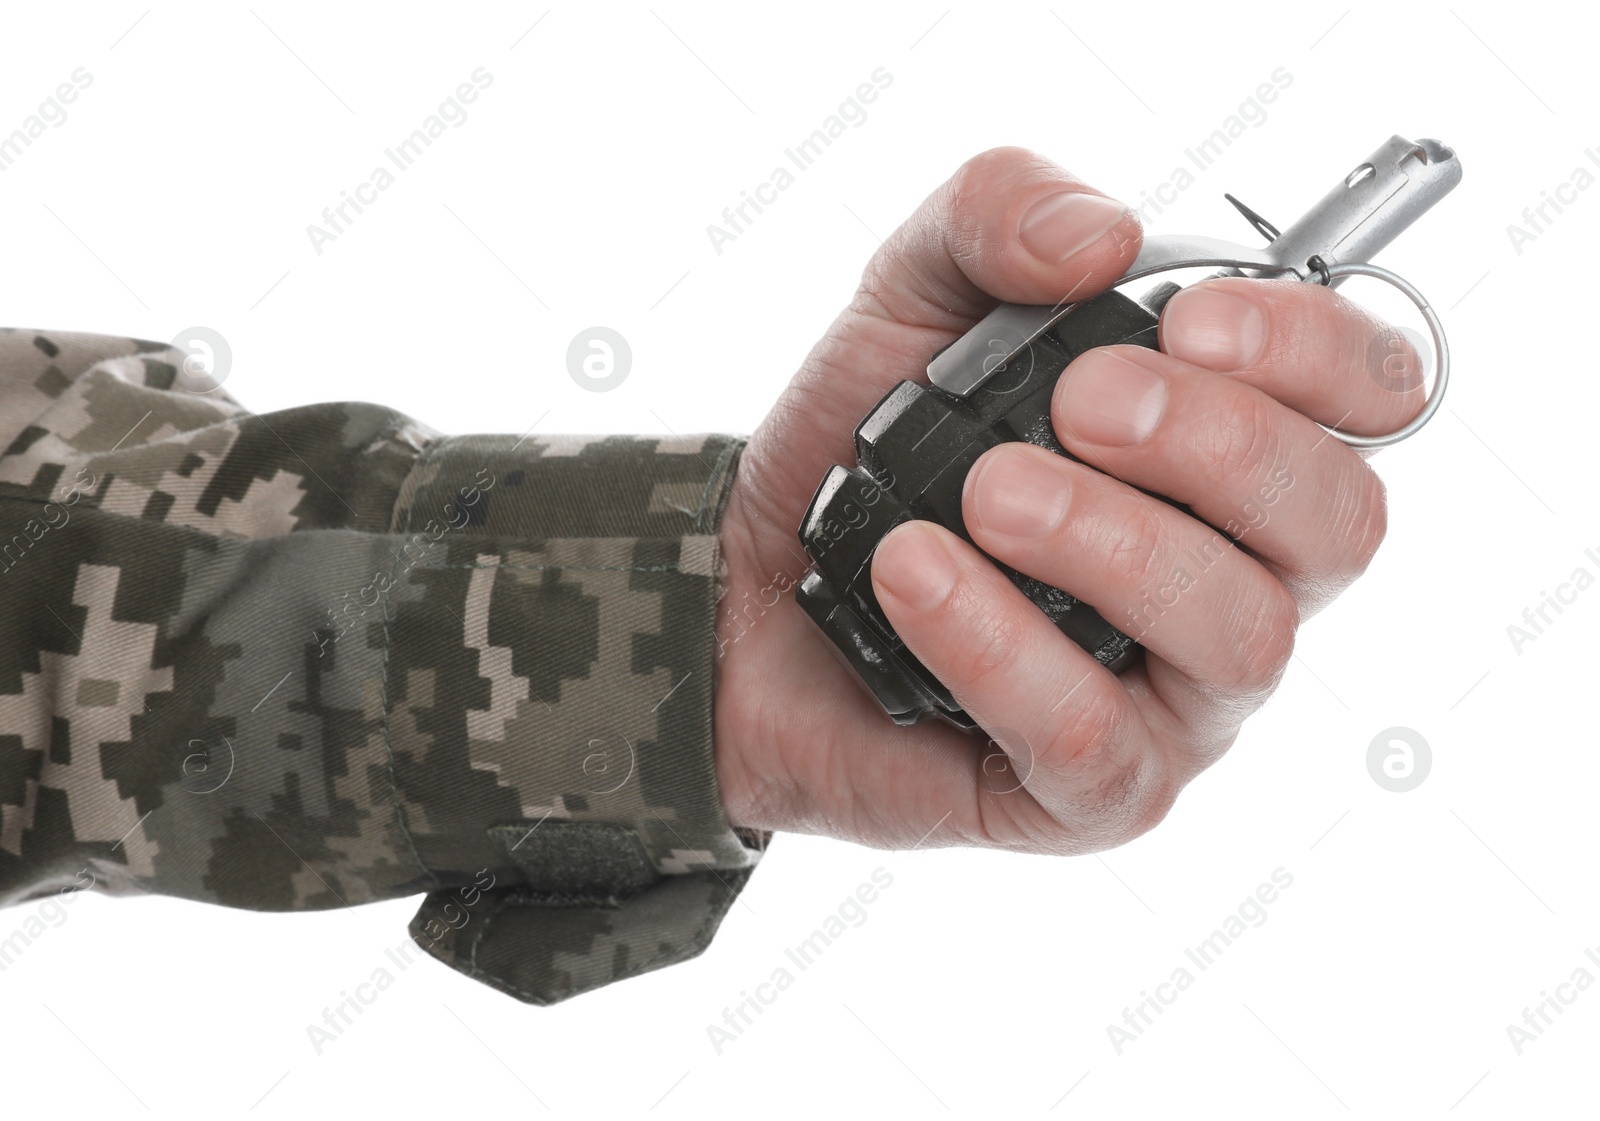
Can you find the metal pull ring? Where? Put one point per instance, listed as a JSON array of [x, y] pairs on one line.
[[1326, 274]]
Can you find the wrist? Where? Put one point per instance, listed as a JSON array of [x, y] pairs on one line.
[[754, 588]]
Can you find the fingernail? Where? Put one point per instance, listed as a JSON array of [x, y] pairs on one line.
[[913, 565], [1213, 328], [1106, 399], [1018, 493], [1058, 225]]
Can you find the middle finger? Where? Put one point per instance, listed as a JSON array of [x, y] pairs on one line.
[[1296, 497]]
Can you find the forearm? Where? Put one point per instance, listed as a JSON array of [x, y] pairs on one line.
[[328, 655]]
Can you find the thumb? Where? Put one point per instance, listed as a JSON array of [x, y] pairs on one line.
[[1009, 225]]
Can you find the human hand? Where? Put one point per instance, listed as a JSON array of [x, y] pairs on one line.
[[1222, 419]]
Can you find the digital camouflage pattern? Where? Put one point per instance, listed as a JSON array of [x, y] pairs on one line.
[[328, 655]]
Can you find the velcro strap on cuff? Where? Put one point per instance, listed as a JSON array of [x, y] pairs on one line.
[[542, 950]]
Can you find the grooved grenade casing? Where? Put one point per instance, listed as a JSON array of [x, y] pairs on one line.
[[914, 449]]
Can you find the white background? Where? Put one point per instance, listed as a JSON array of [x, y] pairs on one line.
[[1418, 926]]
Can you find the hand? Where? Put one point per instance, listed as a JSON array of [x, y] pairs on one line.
[[1081, 759]]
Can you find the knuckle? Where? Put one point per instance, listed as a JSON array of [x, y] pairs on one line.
[[1129, 548], [1357, 507], [978, 179], [977, 196], [1365, 521], [1264, 627], [1089, 744], [955, 220], [1200, 755], [1111, 783], [1239, 440], [892, 288], [875, 295], [992, 640], [1155, 801], [996, 165]]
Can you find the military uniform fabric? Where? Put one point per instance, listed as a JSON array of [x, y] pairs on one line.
[[328, 655]]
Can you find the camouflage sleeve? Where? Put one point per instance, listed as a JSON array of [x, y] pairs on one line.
[[328, 655]]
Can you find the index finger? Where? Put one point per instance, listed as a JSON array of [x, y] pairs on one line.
[[1308, 346]]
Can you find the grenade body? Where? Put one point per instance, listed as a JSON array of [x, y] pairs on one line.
[[914, 450]]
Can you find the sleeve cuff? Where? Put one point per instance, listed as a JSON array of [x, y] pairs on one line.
[[573, 824]]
